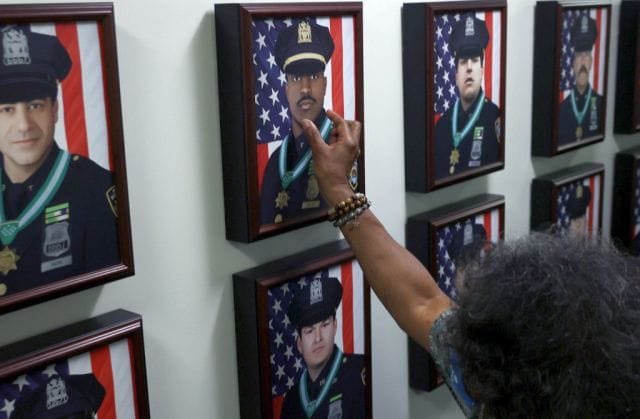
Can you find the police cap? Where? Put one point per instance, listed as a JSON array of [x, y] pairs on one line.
[[579, 199], [467, 242], [314, 302], [469, 37], [32, 64], [78, 396], [583, 33], [303, 48]]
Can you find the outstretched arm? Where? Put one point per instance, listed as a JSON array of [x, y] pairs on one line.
[[401, 282]]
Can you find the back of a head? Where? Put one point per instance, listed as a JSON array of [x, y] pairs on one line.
[[548, 326]]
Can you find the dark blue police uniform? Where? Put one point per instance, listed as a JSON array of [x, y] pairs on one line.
[[302, 195], [589, 126], [61, 221], [346, 396], [75, 234], [479, 147], [580, 115], [301, 49]]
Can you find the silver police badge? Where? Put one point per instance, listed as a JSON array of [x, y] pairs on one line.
[[15, 46], [315, 292], [56, 240], [56, 393], [335, 410], [476, 153]]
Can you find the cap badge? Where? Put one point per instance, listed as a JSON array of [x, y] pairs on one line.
[[579, 192], [16, 47], [56, 393], [584, 24], [315, 292], [304, 33], [468, 234], [469, 29]]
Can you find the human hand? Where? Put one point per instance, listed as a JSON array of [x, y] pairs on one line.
[[332, 161]]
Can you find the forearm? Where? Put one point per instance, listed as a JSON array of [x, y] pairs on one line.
[[401, 282]]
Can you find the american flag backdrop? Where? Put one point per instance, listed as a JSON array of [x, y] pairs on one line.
[[446, 91], [446, 269], [286, 362], [110, 364], [597, 73], [593, 211], [273, 118], [83, 126]]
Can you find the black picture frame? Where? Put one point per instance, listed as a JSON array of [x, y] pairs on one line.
[[627, 115], [87, 32], [625, 215], [77, 360], [431, 95], [555, 129], [569, 200], [260, 326], [440, 237], [252, 131]]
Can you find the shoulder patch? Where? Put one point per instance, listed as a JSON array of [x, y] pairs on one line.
[[497, 126], [112, 199]]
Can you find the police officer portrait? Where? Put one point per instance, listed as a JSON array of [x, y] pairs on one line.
[[582, 76], [317, 346], [468, 130], [461, 242], [58, 206], [302, 67], [578, 207]]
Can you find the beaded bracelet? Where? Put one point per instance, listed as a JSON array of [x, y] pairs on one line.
[[349, 210]]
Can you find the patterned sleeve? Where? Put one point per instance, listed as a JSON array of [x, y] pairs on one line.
[[447, 362]]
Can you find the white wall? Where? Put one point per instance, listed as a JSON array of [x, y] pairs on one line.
[[183, 288]]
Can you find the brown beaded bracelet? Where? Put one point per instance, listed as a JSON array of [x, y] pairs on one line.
[[348, 210]]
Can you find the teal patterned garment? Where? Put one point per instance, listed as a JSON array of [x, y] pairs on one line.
[[447, 362]]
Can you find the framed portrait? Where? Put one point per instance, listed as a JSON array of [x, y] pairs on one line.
[[95, 367], [454, 74], [569, 201], [64, 208], [625, 216], [571, 52], [303, 336], [444, 240], [279, 64], [627, 115]]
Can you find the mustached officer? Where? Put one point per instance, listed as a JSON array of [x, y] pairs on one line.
[[57, 210], [467, 136], [290, 188], [332, 385], [580, 112]]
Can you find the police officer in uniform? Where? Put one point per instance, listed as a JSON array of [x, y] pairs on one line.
[[333, 383], [71, 397], [289, 187], [580, 112], [57, 211], [577, 204], [467, 136]]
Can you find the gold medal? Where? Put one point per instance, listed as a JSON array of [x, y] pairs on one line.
[[313, 190], [579, 132], [282, 200], [8, 259], [454, 159]]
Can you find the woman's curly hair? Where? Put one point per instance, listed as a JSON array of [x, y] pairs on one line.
[[549, 326]]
